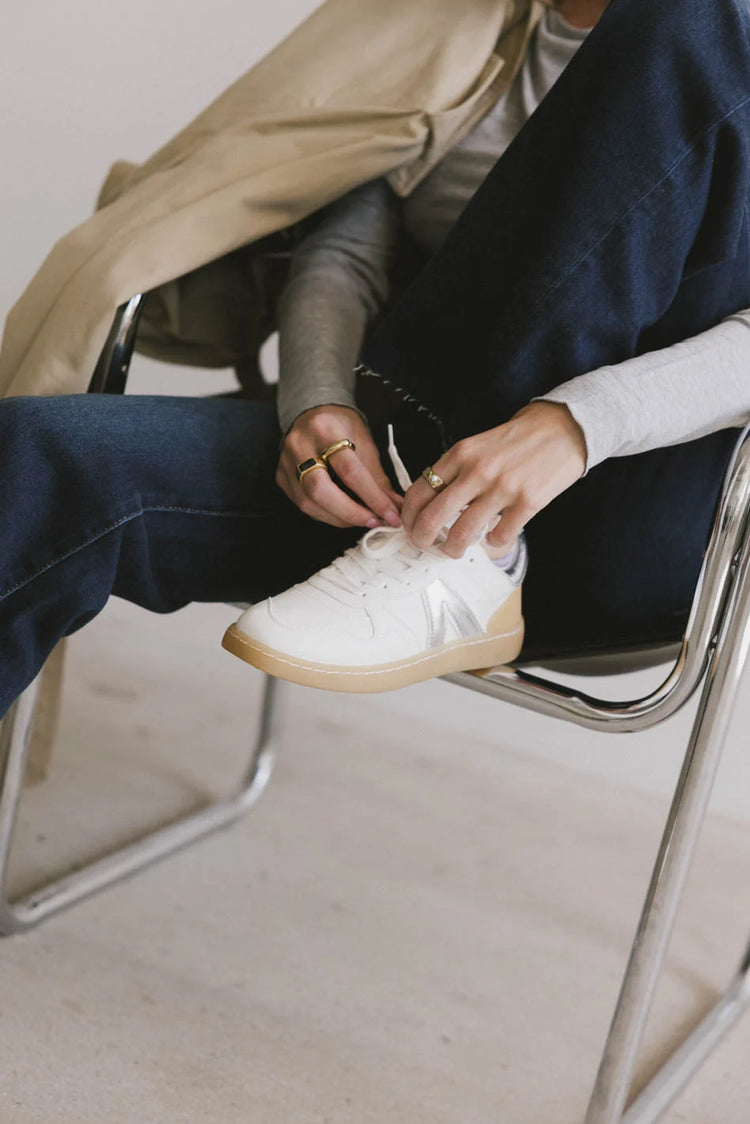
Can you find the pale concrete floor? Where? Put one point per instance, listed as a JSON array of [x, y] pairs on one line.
[[412, 925]]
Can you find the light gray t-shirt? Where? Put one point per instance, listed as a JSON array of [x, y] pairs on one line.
[[339, 280], [435, 204]]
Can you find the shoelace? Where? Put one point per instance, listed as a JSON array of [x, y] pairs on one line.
[[399, 467], [384, 553]]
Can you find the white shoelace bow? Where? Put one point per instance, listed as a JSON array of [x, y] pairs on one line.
[[384, 552]]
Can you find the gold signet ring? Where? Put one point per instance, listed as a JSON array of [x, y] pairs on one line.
[[436, 482], [307, 466]]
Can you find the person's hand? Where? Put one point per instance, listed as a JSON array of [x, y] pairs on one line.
[[516, 468], [318, 495]]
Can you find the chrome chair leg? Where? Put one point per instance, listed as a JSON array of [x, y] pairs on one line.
[[670, 872], [17, 916], [676, 1072], [15, 734]]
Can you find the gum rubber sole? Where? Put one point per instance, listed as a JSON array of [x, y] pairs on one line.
[[463, 655]]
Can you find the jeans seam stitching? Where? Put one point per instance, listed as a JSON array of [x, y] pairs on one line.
[[112, 527], [621, 218]]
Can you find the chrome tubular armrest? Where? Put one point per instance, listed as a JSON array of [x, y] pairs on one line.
[[723, 573], [111, 372]]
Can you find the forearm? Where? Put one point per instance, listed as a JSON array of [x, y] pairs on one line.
[[665, 397], [321, 326], [338, 281]]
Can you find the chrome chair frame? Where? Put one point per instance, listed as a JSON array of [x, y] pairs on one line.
[[711, 657]]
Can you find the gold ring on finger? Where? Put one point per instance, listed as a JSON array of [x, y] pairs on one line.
[[307, 466], [436, 482], [329, 450]]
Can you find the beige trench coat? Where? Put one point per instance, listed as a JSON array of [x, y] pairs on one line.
[[363, 88]]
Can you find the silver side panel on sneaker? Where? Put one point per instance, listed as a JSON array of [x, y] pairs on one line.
[[517, 570], [442, 607]]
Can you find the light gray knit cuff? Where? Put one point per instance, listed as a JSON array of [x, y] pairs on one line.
[[309, 399]]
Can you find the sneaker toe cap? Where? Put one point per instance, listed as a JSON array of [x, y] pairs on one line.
[[296, 624]]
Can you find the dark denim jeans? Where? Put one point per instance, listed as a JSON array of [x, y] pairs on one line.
[[160, 500], [616, 223]]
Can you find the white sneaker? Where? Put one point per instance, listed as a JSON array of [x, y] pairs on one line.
[[384, 615]]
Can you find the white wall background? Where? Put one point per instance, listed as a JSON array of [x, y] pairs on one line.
[[84, 83]]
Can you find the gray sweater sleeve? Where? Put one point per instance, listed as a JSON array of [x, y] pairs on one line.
[[664, 397], [338, 280]]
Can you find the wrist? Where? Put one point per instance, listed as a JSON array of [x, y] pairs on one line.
[[559, 425], [328, 409]]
